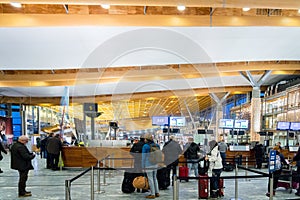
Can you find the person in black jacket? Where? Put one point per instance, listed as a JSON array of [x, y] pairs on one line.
[[21, 161], [136, 152], [297, 159], [54, 146], [192, 157], [259, 154], [2, 149]]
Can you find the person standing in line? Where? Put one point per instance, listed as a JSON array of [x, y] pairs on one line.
[[191, 155], [152, 168], [54, 146], [223, 148], [215, 165], [136, 152], [172, 150], [21, 161], [259, 155], [2, 149], [297, 159], [278, 171], [44, 143]]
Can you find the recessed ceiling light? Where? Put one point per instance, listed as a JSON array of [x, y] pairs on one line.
[[105, 6], [181, 7], [16, 4], [246, 9]]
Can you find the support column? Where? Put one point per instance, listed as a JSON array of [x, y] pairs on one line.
[[219, 113], [256, 114], [255, 103]]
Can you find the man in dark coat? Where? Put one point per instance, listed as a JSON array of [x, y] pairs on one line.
[[54, 146], [136, 152], [172, 150], [21, 161]]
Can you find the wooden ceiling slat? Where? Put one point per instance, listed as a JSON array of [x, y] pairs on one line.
[[287, 4], [41, 20]]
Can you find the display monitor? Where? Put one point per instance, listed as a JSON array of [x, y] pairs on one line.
[[295, 126], [281, 125], [241, 124], [160, 121], [177, 121], [226, 123]]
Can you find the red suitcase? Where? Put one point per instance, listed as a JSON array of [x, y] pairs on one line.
[[183, 173], [221, 187], [203, 187]]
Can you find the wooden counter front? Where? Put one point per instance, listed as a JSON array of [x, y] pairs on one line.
[[88, 156]]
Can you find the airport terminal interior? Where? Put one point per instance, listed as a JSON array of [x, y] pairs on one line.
[[103, 73]]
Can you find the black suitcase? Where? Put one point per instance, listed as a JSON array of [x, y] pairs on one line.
[[127, 186], [163, 178]]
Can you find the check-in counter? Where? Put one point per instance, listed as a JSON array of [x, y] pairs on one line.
[[119, 157]]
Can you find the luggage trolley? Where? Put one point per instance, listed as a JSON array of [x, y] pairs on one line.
[[286, 181]]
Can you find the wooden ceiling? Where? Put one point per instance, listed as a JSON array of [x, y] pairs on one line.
[[139, 106]]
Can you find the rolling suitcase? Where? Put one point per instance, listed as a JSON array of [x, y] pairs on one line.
[[203, 187], [183, 173]]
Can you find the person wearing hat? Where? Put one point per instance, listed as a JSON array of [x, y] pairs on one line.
[[150, 168], [21, 161], [215, 165], [136, 152]]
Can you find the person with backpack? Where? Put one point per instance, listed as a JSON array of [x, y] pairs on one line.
[[150, 166], [280, 161]]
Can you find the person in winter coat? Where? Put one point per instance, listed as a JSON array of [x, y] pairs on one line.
[[136, 152], [150, 168], [21, 161], [259, 155], [172, 150], [54, 146], [191, 154], [215, 161]]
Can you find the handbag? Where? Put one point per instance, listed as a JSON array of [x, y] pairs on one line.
[[140, 182]]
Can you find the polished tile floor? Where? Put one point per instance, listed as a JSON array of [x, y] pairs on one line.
[[50, 185]]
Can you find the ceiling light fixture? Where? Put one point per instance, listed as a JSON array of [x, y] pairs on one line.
[[16, 4], [181, 7], [246, 9], [105, 6]]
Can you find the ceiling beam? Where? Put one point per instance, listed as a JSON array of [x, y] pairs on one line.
[[63, 20], [274, 4]]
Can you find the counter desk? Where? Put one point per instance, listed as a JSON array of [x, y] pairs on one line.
[[119, 157]]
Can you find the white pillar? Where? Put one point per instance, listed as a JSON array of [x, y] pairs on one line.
[[256, 114]]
